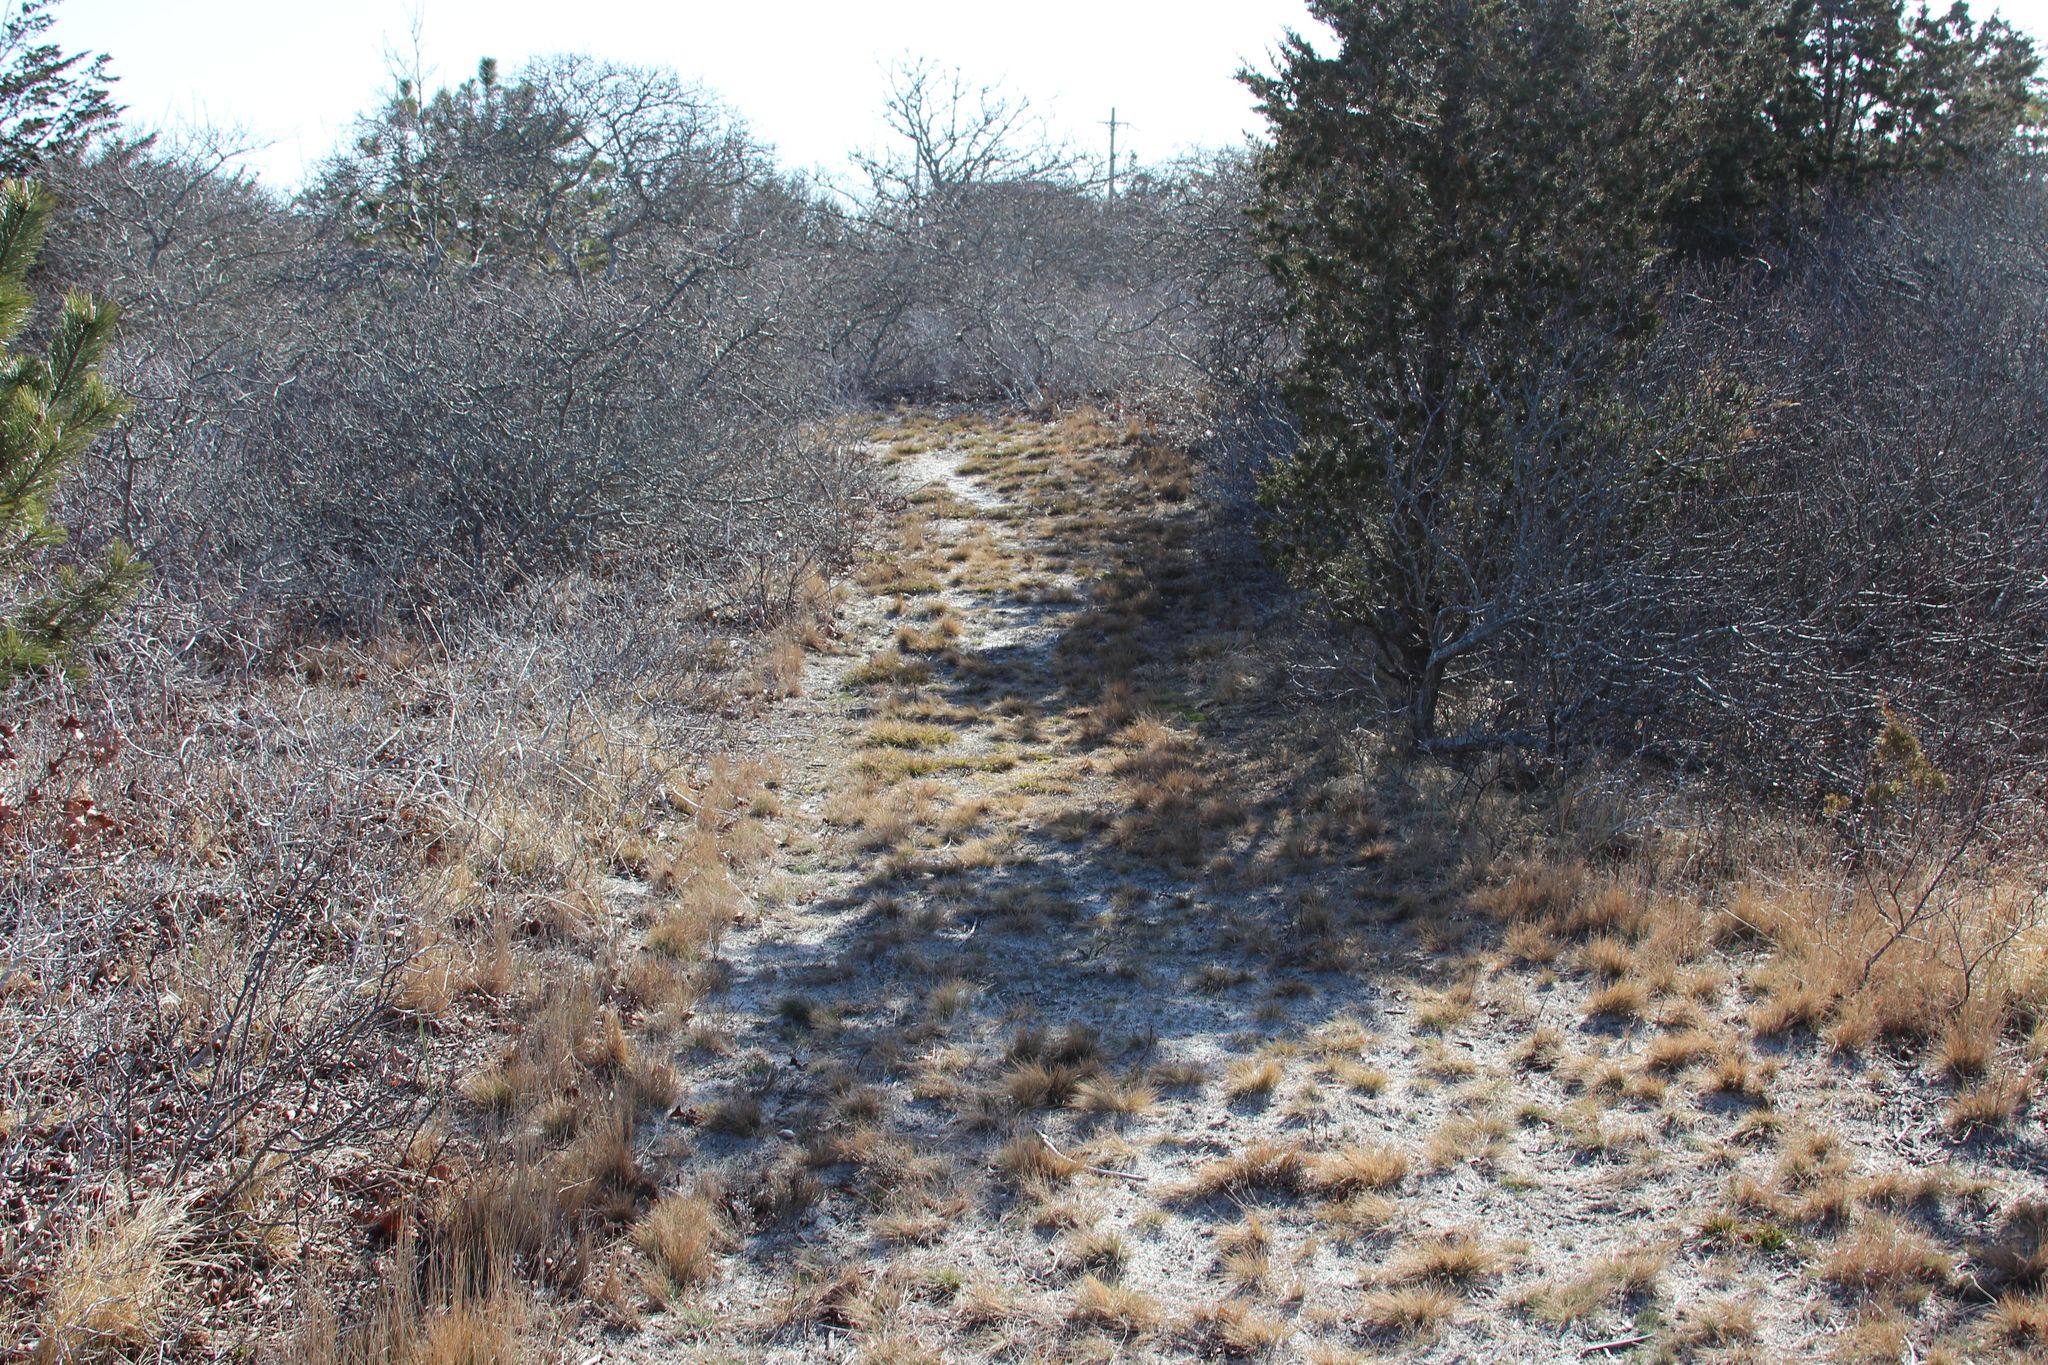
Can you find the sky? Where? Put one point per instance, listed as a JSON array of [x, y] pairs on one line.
[[809, 76]]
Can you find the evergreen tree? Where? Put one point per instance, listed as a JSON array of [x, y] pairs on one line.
[[571, 168], [481, 172], [51, 101], [1461, 208], [1800, 101], [1469, 208], [52, 406]]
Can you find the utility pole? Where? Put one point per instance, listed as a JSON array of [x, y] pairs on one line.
[[1112, 153]]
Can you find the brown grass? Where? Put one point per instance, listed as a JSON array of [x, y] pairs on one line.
[[1610, 1280], [782, 671], [1028, 1156], [1109, 1096], [1674, 1052], [1262, 1167], [2017, 1257], [679, 1236], [1414, 1310], [112, 1291], [1620, 1000], [1717, 1322], [1991, 1106], [1238, 1329], [576, 1070], [1042, 1084], [1252, 1078], [1447, 1010], [1359, 1168], [2020, 1321], [1444, 1259], [1885, 1257], [1111, 1305], [1467, 1137]]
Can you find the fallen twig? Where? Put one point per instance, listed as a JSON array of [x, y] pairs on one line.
[[1618, 1343], [1092, 1170]]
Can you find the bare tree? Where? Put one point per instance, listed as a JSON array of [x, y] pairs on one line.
[[955, 138]]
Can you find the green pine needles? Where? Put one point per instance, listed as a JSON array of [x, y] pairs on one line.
[[52, 407]]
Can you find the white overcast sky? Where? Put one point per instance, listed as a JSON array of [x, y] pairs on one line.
[[808, 75]]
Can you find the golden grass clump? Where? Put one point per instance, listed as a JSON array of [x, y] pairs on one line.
[[1672, 1052], [1252, 1078], [1887, 1258], [1610, 1280], [1412, 1310], [1262, 1167], [1621, 1000], [111, 1291], [1029, 1157], [1240, 1329], [1447, 1259], [1104, 1304], [1535, 891], [679, 1237], [1445, 1011], [2019, 1321], [1359, 1168], [1467, 1137], [782, 670], [1991, 1106], [1110, 1097], [1042, 1084]]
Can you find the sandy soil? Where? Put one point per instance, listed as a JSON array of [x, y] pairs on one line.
[[1068, 914]]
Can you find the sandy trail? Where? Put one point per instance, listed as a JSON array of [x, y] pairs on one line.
[[1068, 1024]]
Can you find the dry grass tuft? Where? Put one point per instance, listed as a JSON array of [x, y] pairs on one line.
[[1358, 1169], [951, 996], [1252, 1078], [782, 671], [1467, 1137], [2018, 1257], [1263, 1167], [1674, 1052], [1968, 1045], [890, 668], [1042, 1085], [1535, 891], [902, 734], [1884, 1257], [736, 1114], [1236, 1329], [1354, 1075], [1453, 1258], [1627, 999], [1177, 1075], [678, 1236], [111, 1291], [1608, 957], [1529, 943], [1716, 1322], [1027, 1157], [2019, 1321], [1991, 1106], [1104, 1304], [1108, 1096], [1610, 1280], [1447, 1010], [1413, 1311]]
